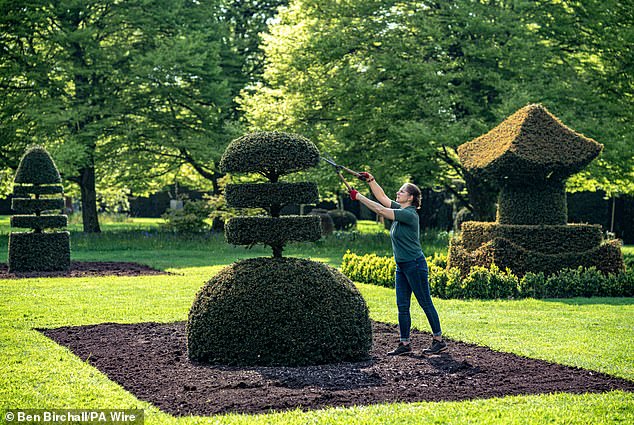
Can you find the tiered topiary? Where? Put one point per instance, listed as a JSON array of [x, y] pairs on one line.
[[38, 190], [276, 311], [530, 155]]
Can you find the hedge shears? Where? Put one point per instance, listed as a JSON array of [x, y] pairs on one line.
[[340, 168]]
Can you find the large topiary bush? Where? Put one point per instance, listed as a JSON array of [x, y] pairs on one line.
[[530, 155], [276, 311], [37, 191]]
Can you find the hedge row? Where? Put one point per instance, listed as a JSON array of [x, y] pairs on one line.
[[39, 222], [272, 231], [34, 206], [371, 268], [533, 204], [30, 252], [494, 283], [270, 153], [265, 195], [606, 257], [544, 239], [26, 191]]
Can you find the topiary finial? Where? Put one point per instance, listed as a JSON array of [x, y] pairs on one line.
[[37, 167], [272, 154]]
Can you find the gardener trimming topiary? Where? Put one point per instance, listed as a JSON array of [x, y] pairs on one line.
[[37, 190], [276, 311]]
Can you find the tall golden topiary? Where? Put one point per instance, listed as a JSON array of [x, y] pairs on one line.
[[530, 155]]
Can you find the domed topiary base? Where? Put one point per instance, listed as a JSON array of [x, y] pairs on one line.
[[278, 311]]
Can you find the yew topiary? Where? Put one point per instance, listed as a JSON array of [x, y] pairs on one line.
[[37, 191], [530, 155], [276, 311], [271, 154]]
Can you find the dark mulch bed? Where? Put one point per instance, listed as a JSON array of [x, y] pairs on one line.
[[88, 269], [150, 361]]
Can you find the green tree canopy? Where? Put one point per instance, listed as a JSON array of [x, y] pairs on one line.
[[123, 91], [393, 86]]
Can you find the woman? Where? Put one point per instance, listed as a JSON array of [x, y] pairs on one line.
[[411, 267]]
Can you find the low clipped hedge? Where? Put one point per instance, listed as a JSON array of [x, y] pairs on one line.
[[33, 206], [29, 252], [278, 311], [371, 268], [492, 282], [270, 153], [264, 195], [272, 231], [544, 239], [343, 220], [39, 222], [533, 204], [606, 257], [25, 191]]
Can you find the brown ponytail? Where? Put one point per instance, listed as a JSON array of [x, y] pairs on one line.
[[413, 190]]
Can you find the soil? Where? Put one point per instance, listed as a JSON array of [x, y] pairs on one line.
[[88, 269], [150, 361]]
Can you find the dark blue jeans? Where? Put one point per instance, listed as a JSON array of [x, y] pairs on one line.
[[413, 276]]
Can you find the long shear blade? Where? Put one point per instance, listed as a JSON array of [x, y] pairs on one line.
[[331, 162]]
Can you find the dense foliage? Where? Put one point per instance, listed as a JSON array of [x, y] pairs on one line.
[[272, 231], [491, 282], [278, 311], [266, 195], [530, 144], [191, 218], [384, 85], [272, 154], [530, 155], [126, 94]]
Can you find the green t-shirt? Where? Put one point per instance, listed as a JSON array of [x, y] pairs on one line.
[[405, 233]]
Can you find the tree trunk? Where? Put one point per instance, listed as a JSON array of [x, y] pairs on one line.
[[277, 251], [89, 200]]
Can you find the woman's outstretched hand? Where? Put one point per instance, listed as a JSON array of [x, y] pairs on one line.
[[353, 194], [366, 177]]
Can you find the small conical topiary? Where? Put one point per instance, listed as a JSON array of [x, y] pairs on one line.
[[276, 311], [37, 168], [37, 190]]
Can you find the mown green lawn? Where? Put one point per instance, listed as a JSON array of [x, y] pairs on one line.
[[35, 372]]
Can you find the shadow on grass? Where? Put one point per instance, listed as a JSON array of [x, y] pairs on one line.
[[592, 301]]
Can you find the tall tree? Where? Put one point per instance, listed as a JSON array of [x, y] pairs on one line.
[[394, 85], [88, 77]]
